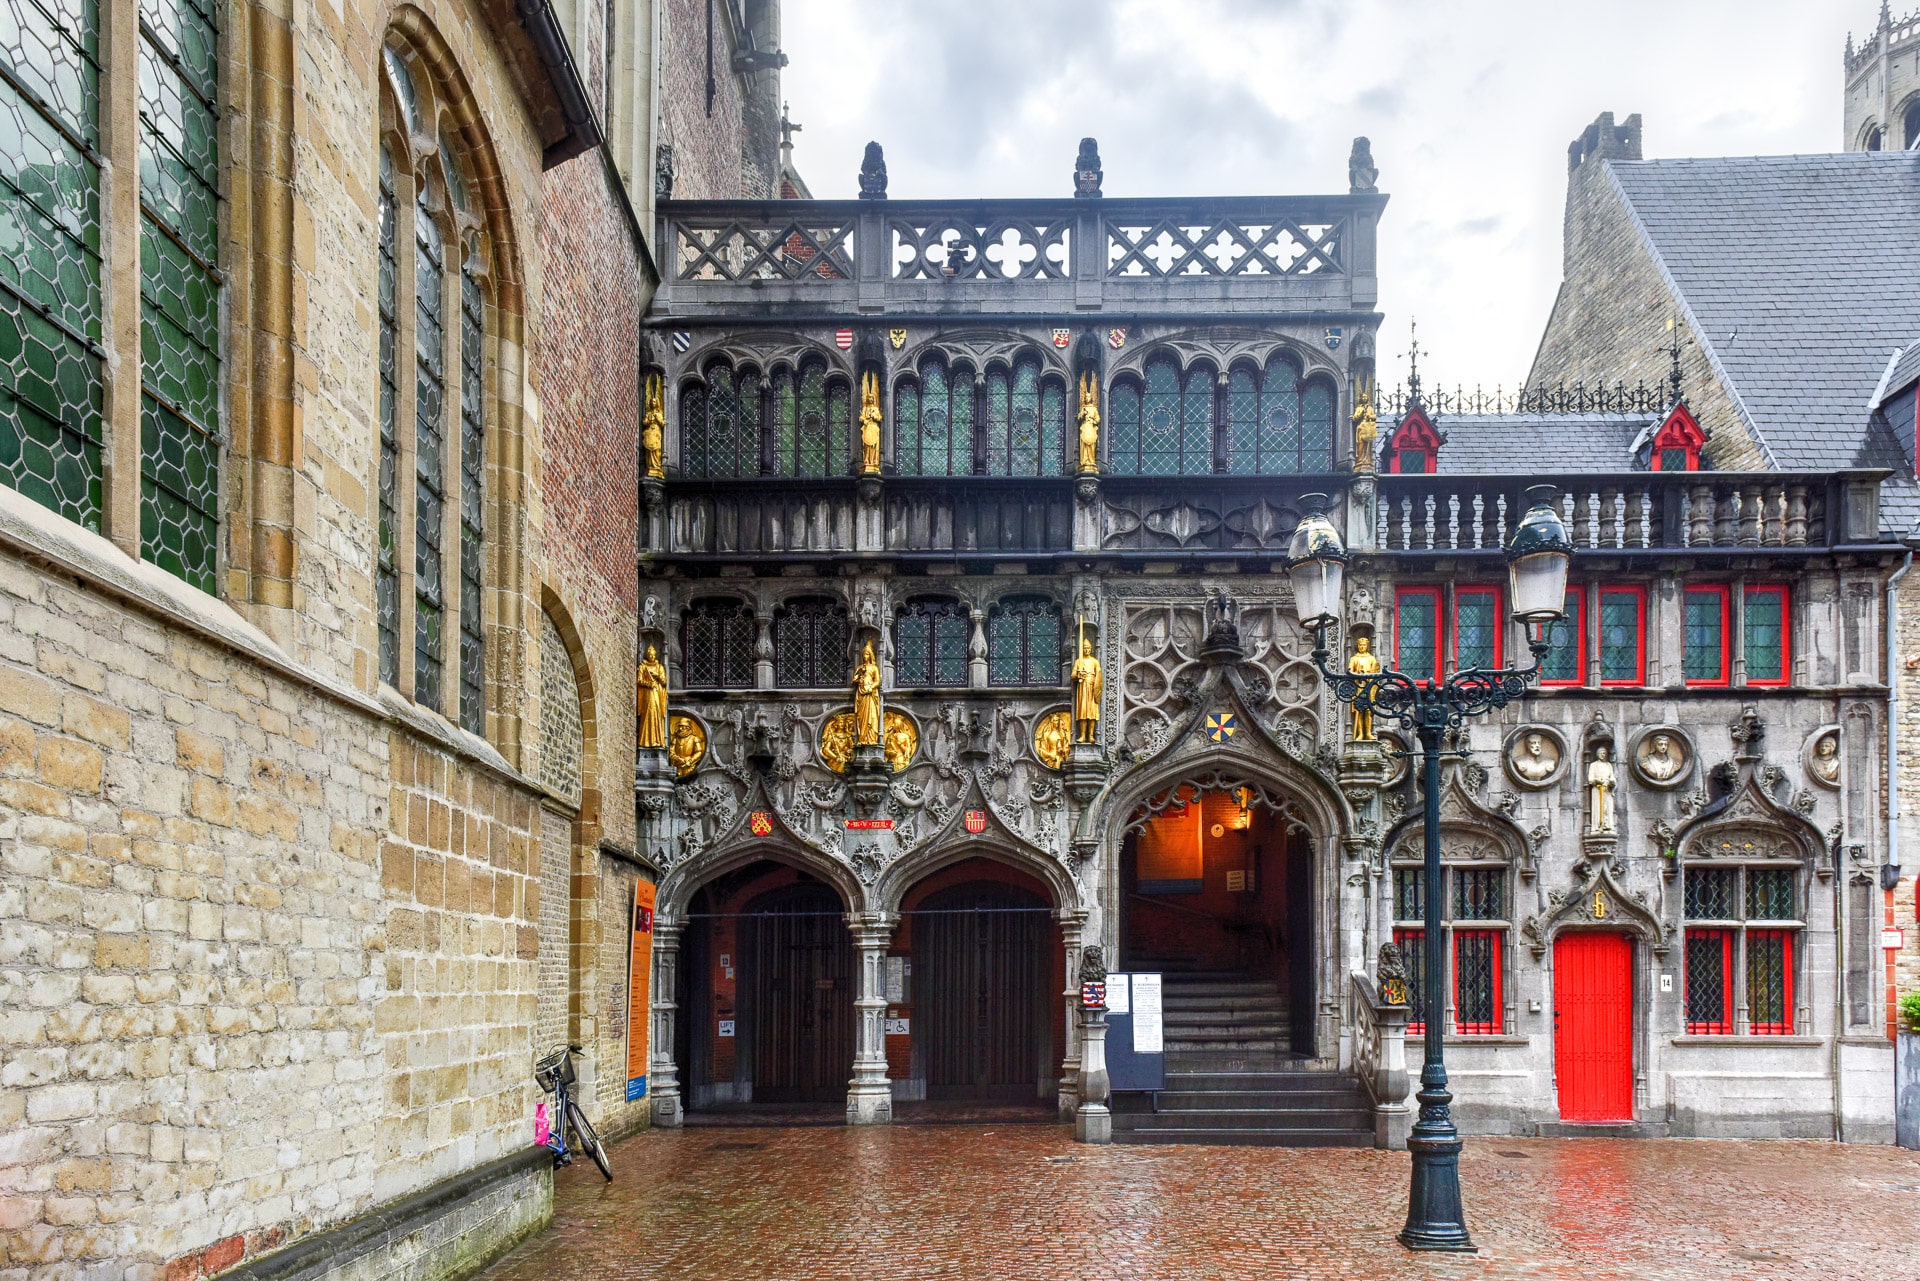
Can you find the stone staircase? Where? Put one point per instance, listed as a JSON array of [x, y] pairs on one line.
[[1232, 1076]]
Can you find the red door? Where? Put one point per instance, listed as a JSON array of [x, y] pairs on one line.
[[1593, 1026]]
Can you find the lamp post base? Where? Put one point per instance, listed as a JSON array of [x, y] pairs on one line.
[[1435, 1220]]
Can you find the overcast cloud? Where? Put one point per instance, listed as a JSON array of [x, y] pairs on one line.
[[1470, 105]]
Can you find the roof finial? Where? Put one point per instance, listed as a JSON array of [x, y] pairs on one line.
[[1412, 353], [1674, 343]]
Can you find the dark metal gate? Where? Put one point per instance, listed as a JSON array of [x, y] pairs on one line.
[[980, 975], [799, 1007]]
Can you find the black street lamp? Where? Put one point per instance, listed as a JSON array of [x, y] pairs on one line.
[[1538, 555]]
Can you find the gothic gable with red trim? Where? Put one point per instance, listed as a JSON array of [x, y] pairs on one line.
[[1414, 446], [1677, 442]]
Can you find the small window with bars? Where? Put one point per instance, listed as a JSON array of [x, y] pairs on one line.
[[1703, 658], [810, 644], [1764, 618], [1741, 926], [1474, 919], [716, 644], [1023, 642], [930, 643]]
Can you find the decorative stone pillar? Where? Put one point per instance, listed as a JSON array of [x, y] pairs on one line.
[[1072, 927], [1092, 1120], [977, 650], [763, 651], [869, 1093], [663, 1075]]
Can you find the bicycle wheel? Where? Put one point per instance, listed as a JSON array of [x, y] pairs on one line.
[[583, 1130]]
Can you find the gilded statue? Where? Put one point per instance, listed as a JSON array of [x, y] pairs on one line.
[[1600, 787], [870, 424], [653, 701], [1089, 421], [1053, 739], [653, 427], [1364, 662], [867, 723], [1366, 429], [686, 744], [1088, 685], [900, 739]]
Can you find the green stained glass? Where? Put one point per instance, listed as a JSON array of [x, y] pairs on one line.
[[179, 290], [1765, 619], [1316, 428], [906, 429], [1279, 441], [1474, 627], [1243, 423], [1620, 636], [1123, 435], [1561, 662], [1196, 422], [819, 429], [430, 434], [1770, 894], [387, 568], [1415, 638], [1053, 427], [51, 390], [473, 474], [1705, 637]]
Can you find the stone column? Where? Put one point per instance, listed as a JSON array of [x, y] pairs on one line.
[[663, 1075], [869, 1093], [1072, 925], [1092, 1121]]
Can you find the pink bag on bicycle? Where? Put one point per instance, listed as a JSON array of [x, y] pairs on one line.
[[541, 1131]]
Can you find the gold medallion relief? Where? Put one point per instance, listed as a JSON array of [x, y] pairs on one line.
[[1053, 738], [686, 744], [899, 739]]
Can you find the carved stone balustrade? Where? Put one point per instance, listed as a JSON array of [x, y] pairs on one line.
[[1633, 511], [1380, 1060], [979, 515], [770, 516]]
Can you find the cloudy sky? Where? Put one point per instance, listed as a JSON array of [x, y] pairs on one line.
[[1470, 105]]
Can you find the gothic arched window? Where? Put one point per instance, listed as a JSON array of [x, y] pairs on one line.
[[1275, 426], [720, 424], [810, 422], [810, 644], [434, 407], [933, 422], [1162, 423], [930, 643], [1910, 127], [1023, 642], [716, 644], [1026, 418]]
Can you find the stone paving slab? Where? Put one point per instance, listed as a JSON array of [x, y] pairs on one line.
[[1025, 1202]]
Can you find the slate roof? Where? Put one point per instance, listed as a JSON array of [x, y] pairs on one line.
[[1905, 370], [1501, 444], [1803, 274]]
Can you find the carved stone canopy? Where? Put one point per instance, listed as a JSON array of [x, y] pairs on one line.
[[1599, 902]]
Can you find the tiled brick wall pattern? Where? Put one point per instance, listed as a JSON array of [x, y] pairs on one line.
[[560, 741]]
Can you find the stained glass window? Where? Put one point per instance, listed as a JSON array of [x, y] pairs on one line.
[[810, 644], [1274, 427], [1711, 893], [387, 567], [1163, 426], [1764, 956], [1703, 661], [51, 404], [1765, 619], [1020, 440], [1770, 893], [430, 462], [473, 488], [1563, 664], [1123, 428], [1409, 893], [930, 643], [720, 424], [1620, 636], [1770, 982], [933, 423], [1476, 982], [1023, 642], [179, 289], [1316, 428], [810, 423], [1479, 893], [1476, 627], [716, 644], [1413, 957], [1709, 962], [1416, 632]]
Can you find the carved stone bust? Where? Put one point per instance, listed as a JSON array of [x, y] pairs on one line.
[[1663, 757], [1534, 757]]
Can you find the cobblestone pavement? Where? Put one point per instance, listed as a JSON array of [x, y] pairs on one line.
[[1025, 1202]]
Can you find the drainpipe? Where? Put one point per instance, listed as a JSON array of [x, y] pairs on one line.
[[1890, 870]]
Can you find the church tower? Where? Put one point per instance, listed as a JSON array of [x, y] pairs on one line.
[[1883, 86]]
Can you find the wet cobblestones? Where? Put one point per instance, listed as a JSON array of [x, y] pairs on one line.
[[1025, 1202]]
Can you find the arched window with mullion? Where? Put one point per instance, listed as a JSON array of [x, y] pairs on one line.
[[1163, 425], [386, 557], [930, 643], [720, 424], [933, 426], [430, 434], [716, 644], [1023, 427], [811, 414]]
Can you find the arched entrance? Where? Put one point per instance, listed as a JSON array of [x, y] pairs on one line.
[[1216, 894], [983, 965], [768, 986]]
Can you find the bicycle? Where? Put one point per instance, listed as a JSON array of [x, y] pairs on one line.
[[554, 1074]]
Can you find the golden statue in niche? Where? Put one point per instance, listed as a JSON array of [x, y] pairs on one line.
[[870, 424], [1366, 430], [686, 744], [866, 700], [1053, 738], [1088, 685], [653, 427], [1089, 422], [652, 726], [900, 740], [1364, 662]]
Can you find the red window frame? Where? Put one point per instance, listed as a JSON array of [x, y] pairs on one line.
[[1725, 593], [1496, 1025], [1415, 435], [1786, 632], [1680, 434], [1639, 595], [1785, 1026], [1499, 628], [1439, 630], [1579, 597], [1408, 941], [1724, 1024]]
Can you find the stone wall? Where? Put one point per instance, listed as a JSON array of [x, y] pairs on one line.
[[713, 153], [1609, 320], [1904, 915]]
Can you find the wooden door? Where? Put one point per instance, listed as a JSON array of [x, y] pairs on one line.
[[799, 1011], [980, 975], [1593, 1026]]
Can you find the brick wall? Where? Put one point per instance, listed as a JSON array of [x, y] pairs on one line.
[[709, 147], [1609, 321]]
